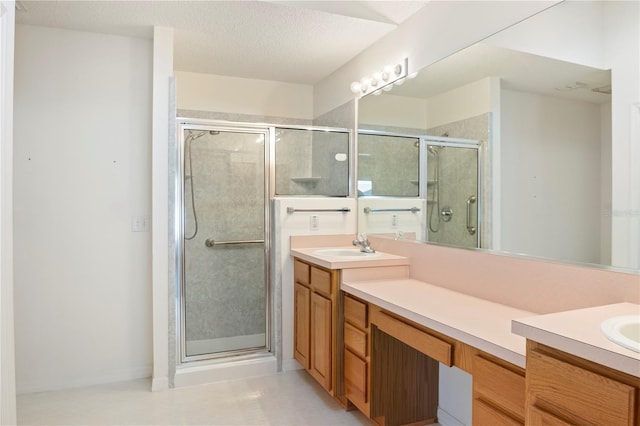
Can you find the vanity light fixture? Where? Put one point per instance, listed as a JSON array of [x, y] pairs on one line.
[[381, 80]]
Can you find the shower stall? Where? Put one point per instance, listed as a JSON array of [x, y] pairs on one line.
[[228, 173], [441, 170], [453, 191], [224, 251]]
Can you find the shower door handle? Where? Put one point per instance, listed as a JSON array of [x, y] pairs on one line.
[[210, 242], [470, 228]]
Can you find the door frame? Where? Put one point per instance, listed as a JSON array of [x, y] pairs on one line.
[[479, 146], [266, 131]]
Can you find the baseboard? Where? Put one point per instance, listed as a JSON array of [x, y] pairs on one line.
[[159, 384], [446, 419], [111, 377], [218, 371], [290, 365]]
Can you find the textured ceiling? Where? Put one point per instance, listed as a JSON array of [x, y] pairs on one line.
[[293, 41]]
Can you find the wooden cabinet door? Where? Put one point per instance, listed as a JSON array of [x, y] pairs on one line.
[[301, 325], [564, 390], [321, 340]]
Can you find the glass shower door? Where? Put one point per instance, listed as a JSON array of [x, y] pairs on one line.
[[452, 195], [225, 285]]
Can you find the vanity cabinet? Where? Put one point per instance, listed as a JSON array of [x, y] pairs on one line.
[[498, 392], [563, 389], [391, 369], [315, 322], [357, 350]]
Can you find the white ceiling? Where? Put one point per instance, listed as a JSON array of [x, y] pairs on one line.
[[517, 70], [292, 41]]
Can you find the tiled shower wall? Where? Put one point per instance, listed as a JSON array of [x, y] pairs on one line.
[[457, 181], [225, 289], [391, 163], [312, 163]]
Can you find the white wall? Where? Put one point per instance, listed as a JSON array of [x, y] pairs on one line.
[[208, 92], [82, 170], [407, 112], [7, 343], [287, 225], [163, 125], [463, 102], [550, 177]]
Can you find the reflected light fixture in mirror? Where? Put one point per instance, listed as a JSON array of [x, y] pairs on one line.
[[381, 80]]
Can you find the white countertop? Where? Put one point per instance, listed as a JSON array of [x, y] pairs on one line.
[[578, 332], [480, 323], [346, 262]]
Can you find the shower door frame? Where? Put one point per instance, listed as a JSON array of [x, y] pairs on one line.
[[450, 142], [267, 132]]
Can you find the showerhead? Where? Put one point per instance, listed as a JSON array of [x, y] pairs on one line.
[[202, 133]]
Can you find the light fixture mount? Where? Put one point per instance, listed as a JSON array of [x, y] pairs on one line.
[[380, 80]]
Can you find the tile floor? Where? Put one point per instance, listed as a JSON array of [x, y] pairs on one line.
[[289, 398]]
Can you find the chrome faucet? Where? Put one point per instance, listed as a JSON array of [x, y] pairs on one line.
[[363, 242]]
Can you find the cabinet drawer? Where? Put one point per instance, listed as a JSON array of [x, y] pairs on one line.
[[421, 340], [572, 392], [321, 280], [355, 312], [355, 375], [355, 340], [301, 272], [485, 415], [501, 386], [542, 418]]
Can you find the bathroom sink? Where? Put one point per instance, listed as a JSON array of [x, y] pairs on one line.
[[344, 252], [623, 330]]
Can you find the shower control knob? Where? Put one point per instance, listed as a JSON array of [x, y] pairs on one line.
[[446, 213], [209, 242]]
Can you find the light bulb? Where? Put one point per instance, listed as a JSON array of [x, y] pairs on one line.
[[356, 87], [387, 87], [399, 82], [364, 84], [398, 69], [377, 92]]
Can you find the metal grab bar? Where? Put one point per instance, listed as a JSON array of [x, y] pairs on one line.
[[470, 229], [368, 210], [291, 210], [210, 242]]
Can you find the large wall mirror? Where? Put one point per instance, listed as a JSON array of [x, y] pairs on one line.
[[507, 145]]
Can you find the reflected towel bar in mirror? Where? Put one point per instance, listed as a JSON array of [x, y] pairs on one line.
[[210, 242], [291, 210], [368, 210]]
